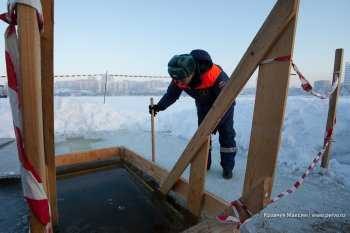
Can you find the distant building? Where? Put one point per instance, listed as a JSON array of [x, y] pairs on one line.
[[346, 83], [3, 91], [115, 86], [322, 86], [347, 74]]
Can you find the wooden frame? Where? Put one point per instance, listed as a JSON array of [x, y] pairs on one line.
[[275, 24], [275, 38], [212, 205], [87, 156]]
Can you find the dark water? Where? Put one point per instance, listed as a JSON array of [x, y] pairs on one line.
[[13, 209], [108, 200]]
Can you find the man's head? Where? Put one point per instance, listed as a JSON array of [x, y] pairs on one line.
[[181, 68], [203, 59]]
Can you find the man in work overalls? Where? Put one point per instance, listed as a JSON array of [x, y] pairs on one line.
[[200, 78]]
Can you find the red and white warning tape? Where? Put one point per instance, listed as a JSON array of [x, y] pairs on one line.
[[305, 84], [33, 189], [236, 219], [237, 204], [313, 164], [276, 59]]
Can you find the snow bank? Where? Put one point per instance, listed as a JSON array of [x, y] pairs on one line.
[[6, 126], [302, 133], [84, 117]]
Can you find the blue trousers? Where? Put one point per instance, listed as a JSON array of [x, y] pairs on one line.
[[227, 136]]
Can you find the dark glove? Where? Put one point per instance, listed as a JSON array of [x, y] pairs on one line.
[[154, 108]]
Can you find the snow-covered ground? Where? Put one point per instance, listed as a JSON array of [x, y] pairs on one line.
[[83, 123]]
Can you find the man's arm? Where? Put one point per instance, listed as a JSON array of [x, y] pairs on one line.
[[172, 94]]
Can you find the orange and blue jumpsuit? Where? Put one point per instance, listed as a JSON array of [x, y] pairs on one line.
[[205, 88]]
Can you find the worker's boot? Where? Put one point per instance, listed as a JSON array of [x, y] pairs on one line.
[[227, 174], [209, 160]]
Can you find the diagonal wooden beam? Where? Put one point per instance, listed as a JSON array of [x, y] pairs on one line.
[[270, 101], [281, 14]]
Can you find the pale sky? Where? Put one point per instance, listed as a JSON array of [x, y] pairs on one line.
[[139, 37]]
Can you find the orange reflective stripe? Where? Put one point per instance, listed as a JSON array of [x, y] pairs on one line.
[[209, 77]]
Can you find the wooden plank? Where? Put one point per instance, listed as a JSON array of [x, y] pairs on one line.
[[273, 26], [270, 100], [212, 226], [87, 156], [87, 167], [212, 205], [153, 139], [197, 180], [30, 95], [47, 81], [338, 67]]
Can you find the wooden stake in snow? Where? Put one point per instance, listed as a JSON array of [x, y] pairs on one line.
[[153, 139], [104, 96], [338, 65]]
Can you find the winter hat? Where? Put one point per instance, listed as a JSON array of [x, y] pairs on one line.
[[203, 59], [201, 55], [181, 66]]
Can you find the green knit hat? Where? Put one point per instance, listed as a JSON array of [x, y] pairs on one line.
[[181, 66]]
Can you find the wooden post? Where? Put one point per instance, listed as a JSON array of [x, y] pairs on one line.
[[30, 98], [153, 135], [47, 84], [270, 100], [197, 180], [333, 99], [274, 25]]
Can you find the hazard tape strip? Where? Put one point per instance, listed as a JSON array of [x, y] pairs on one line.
[[235, 205], [236, 220], [305, 84], [33, 189], [310, 168]]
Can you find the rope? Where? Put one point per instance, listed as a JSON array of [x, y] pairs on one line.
[[109, 75]]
